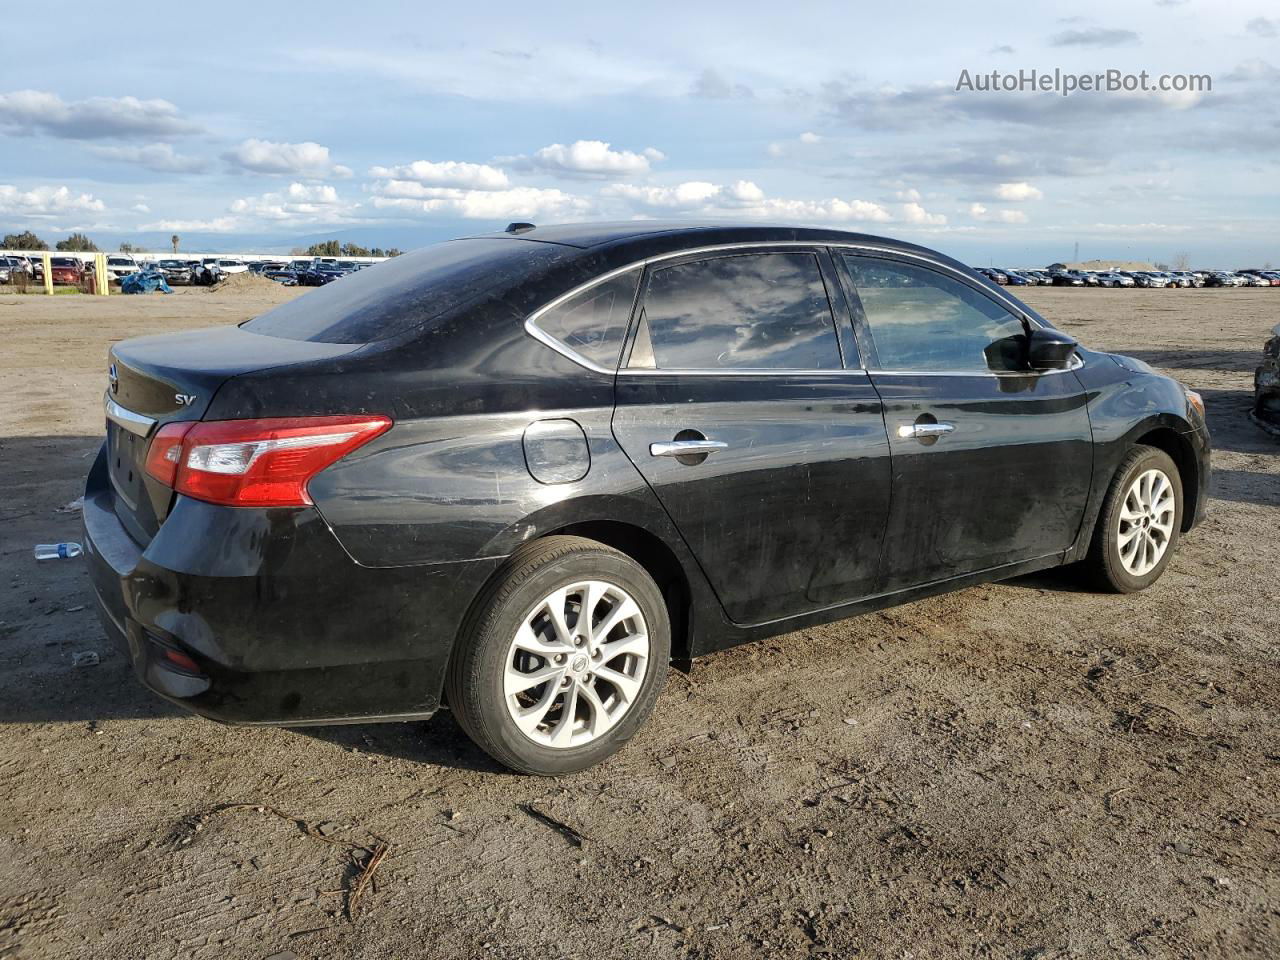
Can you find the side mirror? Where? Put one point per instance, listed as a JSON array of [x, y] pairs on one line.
[[1049, 349]]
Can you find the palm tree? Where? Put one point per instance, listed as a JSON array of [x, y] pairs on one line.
[[174, 241]]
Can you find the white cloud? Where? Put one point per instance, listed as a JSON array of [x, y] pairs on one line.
[[36, 111], [160, 157], [449, 173], [911, 195], [140, 208], [1017, 191], [526, 202], [311, 203], [979, 212], [743, 198], [308, 159], [912, 212], [779, 148], [216, 225], [589, 159], [42, 202]]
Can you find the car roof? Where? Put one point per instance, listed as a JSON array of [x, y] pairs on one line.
[[673, 235]]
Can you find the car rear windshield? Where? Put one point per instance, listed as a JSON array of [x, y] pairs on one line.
[[395, 296]]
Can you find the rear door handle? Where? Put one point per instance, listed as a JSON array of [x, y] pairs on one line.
[[686, 448], [920, 431]]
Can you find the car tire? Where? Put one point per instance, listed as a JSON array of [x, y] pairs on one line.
[[513, 633], [1140, 523]]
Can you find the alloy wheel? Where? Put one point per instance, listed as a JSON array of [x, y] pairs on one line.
[[576, 664], [1146, 522]]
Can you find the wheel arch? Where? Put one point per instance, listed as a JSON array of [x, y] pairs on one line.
[[658, 560], [1180, 451]]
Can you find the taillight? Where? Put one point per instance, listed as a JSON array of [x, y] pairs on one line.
[[255, 463], [166, 451]]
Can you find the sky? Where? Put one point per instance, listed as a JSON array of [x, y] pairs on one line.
[[254, 128]]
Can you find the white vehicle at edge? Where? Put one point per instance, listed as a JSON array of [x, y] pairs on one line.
[[121, 266]]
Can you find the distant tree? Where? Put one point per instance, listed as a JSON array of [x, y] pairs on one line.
[[1161, 266], [376, 252], [354, 250], [174, 240], [23, 241], [327, 248], [394, 252], [77, 243], [1182, 261]]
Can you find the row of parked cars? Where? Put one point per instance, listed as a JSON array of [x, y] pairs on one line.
[[73, 271], [1154, 279], [311, 272], [66, 271]]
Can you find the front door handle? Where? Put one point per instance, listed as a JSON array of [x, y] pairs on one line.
[[921, 431], [686, 448]]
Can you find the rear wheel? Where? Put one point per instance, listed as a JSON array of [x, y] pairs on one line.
[[1139, 524], [563, 659]]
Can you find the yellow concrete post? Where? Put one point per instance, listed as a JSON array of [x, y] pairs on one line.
[[103, 285], [48, 275]]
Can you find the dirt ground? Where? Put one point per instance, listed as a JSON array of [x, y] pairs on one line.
[[1025, 770]]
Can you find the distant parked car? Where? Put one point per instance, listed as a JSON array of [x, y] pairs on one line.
[[1253, 280], [320, 273], [175, 271], [9, 266], [1016, 279], [1112, 279], [282, 274], [67, 271], [1063, 278], [1150, 279], [232, 266], [1222, 278], [120, 266], [994, 275]]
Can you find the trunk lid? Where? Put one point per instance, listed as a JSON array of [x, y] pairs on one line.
[[169, 378]]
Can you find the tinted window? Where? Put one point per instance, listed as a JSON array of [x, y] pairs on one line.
[[762, 310], [393, 297], [924, 320], [593, 323]]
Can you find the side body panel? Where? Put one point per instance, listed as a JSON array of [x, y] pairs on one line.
[[790, 516], [1010, 483]]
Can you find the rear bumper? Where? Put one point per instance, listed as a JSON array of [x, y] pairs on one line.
[[281, 624]]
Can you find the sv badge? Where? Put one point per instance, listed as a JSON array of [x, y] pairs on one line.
[[184, 399]]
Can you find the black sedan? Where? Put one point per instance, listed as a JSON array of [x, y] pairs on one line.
[[318, 274], [520, 473]]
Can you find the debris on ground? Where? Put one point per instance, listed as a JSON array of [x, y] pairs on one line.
[[85, 658], [572, 836], [365, 858]]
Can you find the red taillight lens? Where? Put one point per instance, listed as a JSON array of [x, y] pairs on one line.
[[256, 463], [166, 452]]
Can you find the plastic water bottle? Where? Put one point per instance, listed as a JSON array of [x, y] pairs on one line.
[[58, 551]]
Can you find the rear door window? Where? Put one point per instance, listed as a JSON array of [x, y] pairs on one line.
[[757, 311]]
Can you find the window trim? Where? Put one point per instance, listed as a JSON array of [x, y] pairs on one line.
[[532, 329]]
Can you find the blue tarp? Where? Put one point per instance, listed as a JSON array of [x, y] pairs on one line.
[[149, 281]]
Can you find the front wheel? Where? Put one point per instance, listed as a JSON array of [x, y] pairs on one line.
[[1139, 524], [563, 658]]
